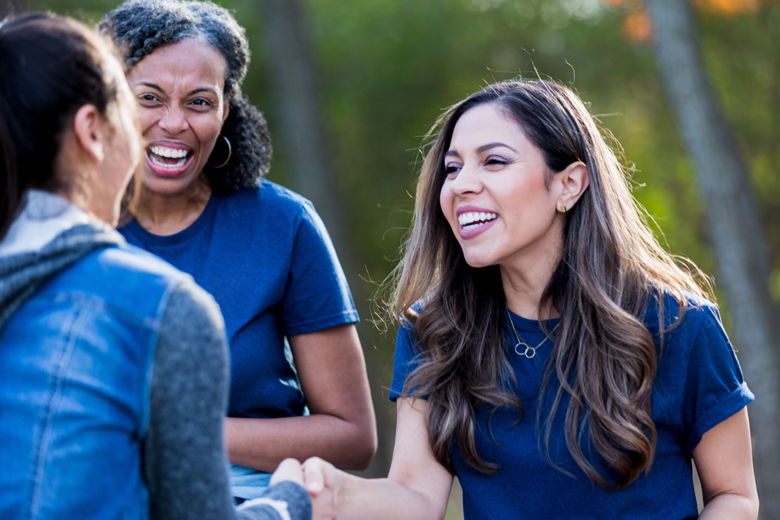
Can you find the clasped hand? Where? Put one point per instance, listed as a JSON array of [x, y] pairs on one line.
[[319, 478]]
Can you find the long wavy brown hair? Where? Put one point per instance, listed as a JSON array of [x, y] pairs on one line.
[[604, 358]]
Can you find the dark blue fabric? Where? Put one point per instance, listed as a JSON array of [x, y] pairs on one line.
[[267, 259], [698, 384]]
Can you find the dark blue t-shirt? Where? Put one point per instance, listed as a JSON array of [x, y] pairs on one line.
[[698, 384], [267, 259]]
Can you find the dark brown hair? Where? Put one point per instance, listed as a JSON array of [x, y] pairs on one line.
[[603, 359], [49, 67]]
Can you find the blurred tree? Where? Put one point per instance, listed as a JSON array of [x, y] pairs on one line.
[[734, 225], [293, 80]]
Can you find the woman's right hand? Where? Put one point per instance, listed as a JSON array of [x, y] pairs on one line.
[[321, 479], [417, 487], [323, 504]]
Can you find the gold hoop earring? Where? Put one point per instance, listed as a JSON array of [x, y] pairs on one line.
[[563, 208]]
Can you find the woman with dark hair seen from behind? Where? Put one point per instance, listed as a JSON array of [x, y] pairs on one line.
[[551, 354], [262, 252], [113, 364]]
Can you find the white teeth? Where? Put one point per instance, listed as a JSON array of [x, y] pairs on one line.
[[171, 153], [464, 219], [178, 163]]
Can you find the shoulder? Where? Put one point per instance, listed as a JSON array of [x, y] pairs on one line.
[[192, 320], [191, 306], [408, 318], [269, 206], [124, 279], [688, 312], [693, 334], [406, 327], [268, 194]]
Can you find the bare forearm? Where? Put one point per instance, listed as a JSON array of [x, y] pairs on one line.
[[264, 443], [729, 506], [383, 499]]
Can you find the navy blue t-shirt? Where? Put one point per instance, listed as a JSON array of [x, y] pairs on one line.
[[268, 261], [698, 384]]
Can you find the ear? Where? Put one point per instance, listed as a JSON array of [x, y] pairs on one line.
[[89, 130], [574, 181]]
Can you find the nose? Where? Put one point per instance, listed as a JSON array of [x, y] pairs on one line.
[[173, 121], [466, 181]]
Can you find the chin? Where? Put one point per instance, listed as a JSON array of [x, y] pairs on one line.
[[166, 186], [478, 261]]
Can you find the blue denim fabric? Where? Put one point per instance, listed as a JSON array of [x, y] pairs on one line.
[[75, 374]]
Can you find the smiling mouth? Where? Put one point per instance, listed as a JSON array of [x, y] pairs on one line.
[[473, 220], [168, 158]]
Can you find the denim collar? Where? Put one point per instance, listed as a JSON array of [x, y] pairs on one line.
[[22, 274]]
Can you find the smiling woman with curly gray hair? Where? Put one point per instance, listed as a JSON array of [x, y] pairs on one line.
[[200, 202]]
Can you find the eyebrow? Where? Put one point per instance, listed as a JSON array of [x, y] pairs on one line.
[[482, 149], [196, 91], [152, 85]]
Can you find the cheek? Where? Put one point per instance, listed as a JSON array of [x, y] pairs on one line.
[[445, 203], [207, 128], [146, 120], [530, 192]]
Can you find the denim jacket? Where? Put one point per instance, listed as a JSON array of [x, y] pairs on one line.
[[113, 381], [75, 375]]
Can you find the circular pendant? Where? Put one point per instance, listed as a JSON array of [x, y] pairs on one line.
[[525, 350]]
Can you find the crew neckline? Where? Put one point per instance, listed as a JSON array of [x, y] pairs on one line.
[[193, 229], [528, 325]]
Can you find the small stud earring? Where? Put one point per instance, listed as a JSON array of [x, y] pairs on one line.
[[563, 208]]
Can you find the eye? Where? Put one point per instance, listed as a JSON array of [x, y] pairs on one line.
[[496, 161], [201, 102], [451, 168], [148, 98]]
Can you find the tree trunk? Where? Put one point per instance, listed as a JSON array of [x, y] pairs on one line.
[[304, 144], [743, 266]]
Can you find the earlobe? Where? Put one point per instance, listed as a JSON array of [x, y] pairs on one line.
[[89, 130]]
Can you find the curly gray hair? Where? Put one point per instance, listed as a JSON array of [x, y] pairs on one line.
[[139, 27]]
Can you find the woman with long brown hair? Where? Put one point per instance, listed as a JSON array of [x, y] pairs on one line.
[[551, 354]]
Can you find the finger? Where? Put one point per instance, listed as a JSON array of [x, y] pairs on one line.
[[289, 469], [314, 475]]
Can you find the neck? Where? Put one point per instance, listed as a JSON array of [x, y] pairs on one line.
[[79, 181], [526, 277], [164, 214]]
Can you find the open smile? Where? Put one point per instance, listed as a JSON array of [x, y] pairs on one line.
[[168, 161], [474, 223]]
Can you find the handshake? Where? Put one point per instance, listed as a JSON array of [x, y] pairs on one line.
[[319, 478]]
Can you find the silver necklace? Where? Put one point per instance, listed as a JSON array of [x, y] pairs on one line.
[[522, 348]]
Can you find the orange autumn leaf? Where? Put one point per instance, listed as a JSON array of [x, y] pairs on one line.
[[728, 8], [637, 27]]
